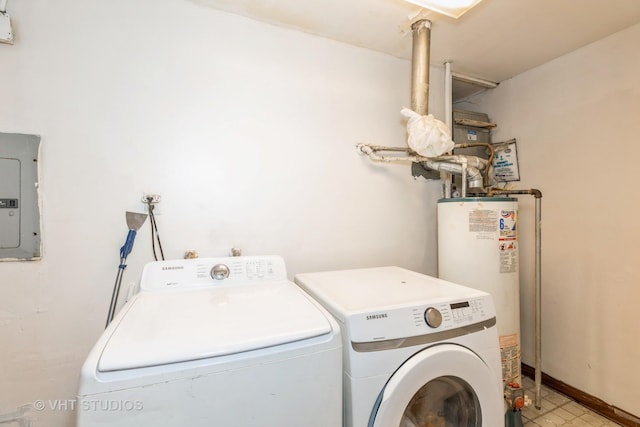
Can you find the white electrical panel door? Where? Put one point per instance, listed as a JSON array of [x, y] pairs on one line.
[[9, 203], [19, 207]]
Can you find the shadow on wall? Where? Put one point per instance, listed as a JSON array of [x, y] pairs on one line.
[[20, 417]]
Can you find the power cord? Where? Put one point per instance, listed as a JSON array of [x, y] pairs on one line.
[[155, 236]]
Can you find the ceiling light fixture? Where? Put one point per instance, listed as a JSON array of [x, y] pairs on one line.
[[452, 8]]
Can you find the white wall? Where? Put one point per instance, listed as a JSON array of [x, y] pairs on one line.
[[246, 130], [575, 120]]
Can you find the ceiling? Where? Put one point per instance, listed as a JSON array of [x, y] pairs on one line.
[[496, 40]]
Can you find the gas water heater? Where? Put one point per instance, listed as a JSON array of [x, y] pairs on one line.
[[478, 247]]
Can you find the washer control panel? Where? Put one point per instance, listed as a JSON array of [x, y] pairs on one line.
[[430, 318], [454, 314], [207, 272]]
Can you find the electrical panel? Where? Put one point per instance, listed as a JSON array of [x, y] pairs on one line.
[[19, 211]]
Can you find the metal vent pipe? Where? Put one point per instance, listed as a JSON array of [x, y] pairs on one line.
[[420, 66]]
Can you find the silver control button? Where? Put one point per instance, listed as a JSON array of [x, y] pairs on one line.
[[433, 317], [220, 272]]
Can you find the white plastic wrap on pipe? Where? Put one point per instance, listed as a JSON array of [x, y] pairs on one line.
[[428, 136]]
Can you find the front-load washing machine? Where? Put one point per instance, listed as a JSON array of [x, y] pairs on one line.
[[418, 351], [226, 342]]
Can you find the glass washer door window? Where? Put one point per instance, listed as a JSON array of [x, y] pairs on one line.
[[445, 385], [442, 402]]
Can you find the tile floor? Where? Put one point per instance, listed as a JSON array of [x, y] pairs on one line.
[[558, 410]]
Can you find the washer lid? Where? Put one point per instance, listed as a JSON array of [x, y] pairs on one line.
[[169, 327], [345, 292]]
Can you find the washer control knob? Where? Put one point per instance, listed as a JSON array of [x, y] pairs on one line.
[[220, 272], [433, 317]]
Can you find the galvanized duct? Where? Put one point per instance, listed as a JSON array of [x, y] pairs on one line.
[[420, 66]]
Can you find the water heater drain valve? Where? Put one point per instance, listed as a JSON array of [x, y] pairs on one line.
[[514, 395]]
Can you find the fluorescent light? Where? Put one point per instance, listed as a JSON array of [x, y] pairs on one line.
[[452, 8]]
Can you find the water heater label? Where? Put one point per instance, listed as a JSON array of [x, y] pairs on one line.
[[510, 355], [507, 242], [508, 257], [508, 229], [484, 223]]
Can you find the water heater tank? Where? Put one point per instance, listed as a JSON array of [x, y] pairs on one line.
[[478, 248]]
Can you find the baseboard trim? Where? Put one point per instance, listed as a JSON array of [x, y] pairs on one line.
[[597, 405]]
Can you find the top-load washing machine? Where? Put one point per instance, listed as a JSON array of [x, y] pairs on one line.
[[418, 351], [226, 342]]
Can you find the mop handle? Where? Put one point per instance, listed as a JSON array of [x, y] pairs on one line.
[[125, 250]]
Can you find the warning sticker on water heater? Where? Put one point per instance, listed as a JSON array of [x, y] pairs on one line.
[[507, 244], [508, 257], [510, 355], [508, 222]]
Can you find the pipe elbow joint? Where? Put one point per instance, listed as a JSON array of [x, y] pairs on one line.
[[364, 149], [477, 184]]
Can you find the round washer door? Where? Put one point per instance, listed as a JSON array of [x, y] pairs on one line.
[[445, 385]]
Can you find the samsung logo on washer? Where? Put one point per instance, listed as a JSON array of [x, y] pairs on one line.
[[377, 316]]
